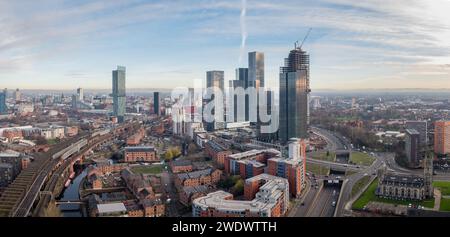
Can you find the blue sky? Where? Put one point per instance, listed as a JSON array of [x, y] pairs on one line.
[[58, 44]]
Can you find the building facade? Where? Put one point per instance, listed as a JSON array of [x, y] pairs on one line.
[[412, 147], [140, 154], [442, 137], [156, 100], [215, 81], [421, 127], [119, 93], [294, 96], [266, 196], [217, 152]]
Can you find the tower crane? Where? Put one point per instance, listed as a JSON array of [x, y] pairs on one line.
[[304, 39]]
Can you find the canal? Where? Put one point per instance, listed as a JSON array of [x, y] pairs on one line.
[[72, 193]]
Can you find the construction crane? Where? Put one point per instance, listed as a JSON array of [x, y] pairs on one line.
[[304, 39]]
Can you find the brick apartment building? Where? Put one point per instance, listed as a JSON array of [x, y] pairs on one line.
[[207, 176], [442, 137], [181, 166], [140, 154], [217, 152], [270, 199], [249, 163]]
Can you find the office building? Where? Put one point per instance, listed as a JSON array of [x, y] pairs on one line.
[[80, 93], [256, 69], [3, 108], [240, 110], [422, 128], [294, 96], [17, 95], [442, 137], [412, 147], [156, 108], [119, 93], [215, 80]]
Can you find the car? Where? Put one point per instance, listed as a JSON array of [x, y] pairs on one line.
[[333, 203]]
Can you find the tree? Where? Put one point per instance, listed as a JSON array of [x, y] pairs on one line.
[[168, 156], [238, 188]]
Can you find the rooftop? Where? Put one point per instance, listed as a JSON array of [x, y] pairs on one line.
[[140, 149], [111, 207], [251, 153]]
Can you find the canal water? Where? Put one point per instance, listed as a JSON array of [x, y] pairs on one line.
[[72, 193]]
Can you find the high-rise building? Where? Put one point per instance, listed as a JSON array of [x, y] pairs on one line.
[[293, 168], [256, 69], [240, 82], [119, 93], [267, 137], [80, 93], [422, 128], [3, 108], [294, 96], [156, 108], [215, 80], [412, 147], [442, 137], [17, 95]]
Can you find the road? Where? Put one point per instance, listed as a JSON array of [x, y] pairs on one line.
[[169, 188], [323, 203]]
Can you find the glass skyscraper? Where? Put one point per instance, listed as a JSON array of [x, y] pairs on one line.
[[3, 108], [118, 93], [294, 96], [156, 108], [215, 80], [256, 69]]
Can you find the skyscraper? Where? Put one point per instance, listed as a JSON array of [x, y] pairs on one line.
[[256, 69], [80, 93], [294, 96], [240, 82], [17, 95], [421, 127], [3, 108], [215, 80], [412, 147], [442, 137], [156, 108], [118, 93]]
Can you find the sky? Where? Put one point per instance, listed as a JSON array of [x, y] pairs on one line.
[[364, 44]]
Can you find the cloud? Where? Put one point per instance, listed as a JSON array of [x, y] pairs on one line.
[[349, 37]]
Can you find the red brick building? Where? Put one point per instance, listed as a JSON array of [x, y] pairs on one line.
[[140, 154], [181, 166], [196, 178], [249, 163], [271, 199], [217, 152]]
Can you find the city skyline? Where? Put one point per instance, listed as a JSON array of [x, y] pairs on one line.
[[65, 45]]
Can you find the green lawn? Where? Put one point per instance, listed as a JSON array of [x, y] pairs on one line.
[[443, 186], [323, 156], [152, 169], [369, 195], [317, 169], [360, 158], [445, 204], [360, 185]]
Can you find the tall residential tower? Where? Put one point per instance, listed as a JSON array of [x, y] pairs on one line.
[[294, 96], [118, 93]]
